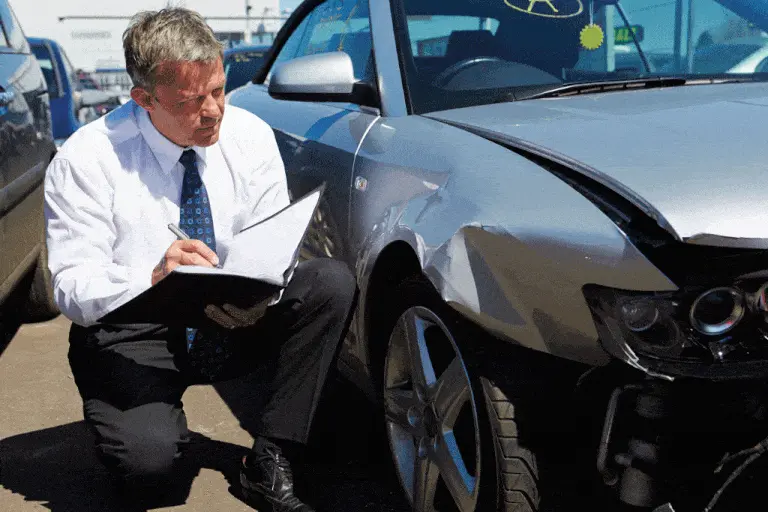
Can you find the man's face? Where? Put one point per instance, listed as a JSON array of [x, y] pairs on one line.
[[187, 103]]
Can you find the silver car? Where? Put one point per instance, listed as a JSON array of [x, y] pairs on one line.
[[561, 263]]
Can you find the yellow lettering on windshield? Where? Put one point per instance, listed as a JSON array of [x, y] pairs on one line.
[[547, 8], [548, 2]]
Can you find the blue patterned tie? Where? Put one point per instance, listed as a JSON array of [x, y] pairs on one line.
[[207, 350]]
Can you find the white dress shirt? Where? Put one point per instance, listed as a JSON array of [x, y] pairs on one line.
[[114, 187]]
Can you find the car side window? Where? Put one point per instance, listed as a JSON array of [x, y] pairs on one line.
[[762, 67], [43, 56], [12, 28], [290, 49], [69, 70], [335, 25]]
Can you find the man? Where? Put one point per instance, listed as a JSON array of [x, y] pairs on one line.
[[171, 156]]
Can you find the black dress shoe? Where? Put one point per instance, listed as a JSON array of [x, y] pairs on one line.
[[268, 479]]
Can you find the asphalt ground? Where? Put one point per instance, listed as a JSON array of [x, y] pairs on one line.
[[47, 460]]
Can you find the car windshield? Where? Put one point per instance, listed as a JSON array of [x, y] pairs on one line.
[[459, 53], [241, 67]]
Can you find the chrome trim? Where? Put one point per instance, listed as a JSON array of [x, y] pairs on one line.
[[388, 76]]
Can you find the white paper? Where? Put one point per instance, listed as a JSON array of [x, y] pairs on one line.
[[266, 250]]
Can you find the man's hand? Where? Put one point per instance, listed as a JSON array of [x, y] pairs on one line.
[[184, 252], [231, 317]]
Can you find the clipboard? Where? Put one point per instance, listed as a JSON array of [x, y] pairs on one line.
[[249, 275]]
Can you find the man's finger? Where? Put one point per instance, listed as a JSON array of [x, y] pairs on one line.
[[220, 317], [193, 258], [249, 314], [236, 312], [246, 316], [199, 247]]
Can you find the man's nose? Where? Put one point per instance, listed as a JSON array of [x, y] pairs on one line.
[[211, 107]]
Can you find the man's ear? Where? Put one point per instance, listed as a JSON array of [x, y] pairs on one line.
[[142, 98]]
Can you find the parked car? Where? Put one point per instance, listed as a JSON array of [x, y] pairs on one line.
[[87, 81], [72, 103], [63, 86], [241, 64], [562, 281], [26, 148]]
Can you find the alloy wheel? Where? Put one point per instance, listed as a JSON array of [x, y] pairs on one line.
[[424, 396]]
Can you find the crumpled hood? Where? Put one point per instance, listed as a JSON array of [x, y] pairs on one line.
[[694, 157]]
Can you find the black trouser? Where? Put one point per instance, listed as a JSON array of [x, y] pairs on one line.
[[132, 379]]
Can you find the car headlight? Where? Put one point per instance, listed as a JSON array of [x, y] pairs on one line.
[[698, 324], [717, 311]]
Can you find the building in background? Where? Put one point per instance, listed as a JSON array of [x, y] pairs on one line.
[[92, 32]]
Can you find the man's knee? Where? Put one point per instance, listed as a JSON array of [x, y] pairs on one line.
[[149, 458], [140, 448]]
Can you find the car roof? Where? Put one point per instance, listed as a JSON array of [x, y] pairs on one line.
[[39, 41], [247, 48]]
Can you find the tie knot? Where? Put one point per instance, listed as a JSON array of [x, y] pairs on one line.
[[187, 158]]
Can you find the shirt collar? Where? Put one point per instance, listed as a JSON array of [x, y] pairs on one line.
[[166, 152]]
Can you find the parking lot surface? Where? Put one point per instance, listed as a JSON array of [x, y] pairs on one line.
[[47, 463]]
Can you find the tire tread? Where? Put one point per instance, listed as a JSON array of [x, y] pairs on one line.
[[519, 470]]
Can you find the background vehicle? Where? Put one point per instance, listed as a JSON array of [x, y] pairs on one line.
[[62, 84], [241, 63], [72, 103], [26, 148], [562, 281], [87, 81]]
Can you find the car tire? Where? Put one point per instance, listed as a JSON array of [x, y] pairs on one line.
[[513, 462], [38, 304]]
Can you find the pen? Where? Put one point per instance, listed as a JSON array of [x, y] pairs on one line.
[[182, 235]]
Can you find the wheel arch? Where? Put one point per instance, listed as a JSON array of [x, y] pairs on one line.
[[395, 263]]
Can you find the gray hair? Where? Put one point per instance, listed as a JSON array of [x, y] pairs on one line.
[[172, 34]]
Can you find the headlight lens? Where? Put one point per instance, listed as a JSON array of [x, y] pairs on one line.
[[639, 314], [717, 311]]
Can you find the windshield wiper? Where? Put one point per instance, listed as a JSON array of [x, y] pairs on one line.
[[628, 25], [632, 84]]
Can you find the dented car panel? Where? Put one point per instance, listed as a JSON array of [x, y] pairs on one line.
[[489, 229]]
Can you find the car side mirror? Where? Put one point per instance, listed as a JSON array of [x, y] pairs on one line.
[[321, 77]]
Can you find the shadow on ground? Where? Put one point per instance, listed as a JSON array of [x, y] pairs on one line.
[[57, 467], [8, 329], [345, 470]]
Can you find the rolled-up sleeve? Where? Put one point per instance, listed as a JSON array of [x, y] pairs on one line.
[[80, 234]]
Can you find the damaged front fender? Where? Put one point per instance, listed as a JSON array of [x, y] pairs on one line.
[[504, 242]]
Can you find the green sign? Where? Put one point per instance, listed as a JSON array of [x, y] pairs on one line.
[[622, 35]]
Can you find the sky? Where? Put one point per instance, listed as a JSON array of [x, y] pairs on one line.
[[97, 43]]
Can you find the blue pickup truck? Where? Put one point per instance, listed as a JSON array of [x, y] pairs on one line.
[[62, 89], [67, 93]]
